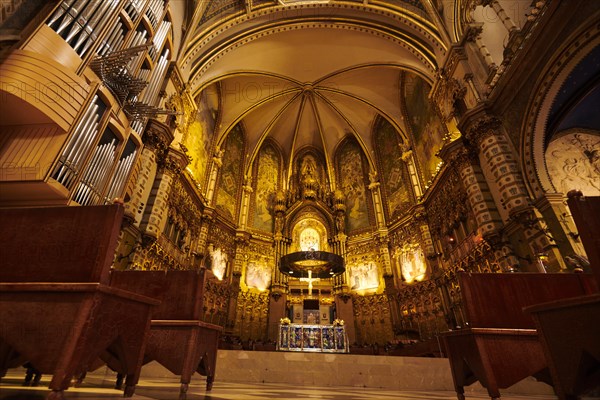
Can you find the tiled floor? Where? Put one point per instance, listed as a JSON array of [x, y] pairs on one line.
[[99, 388]]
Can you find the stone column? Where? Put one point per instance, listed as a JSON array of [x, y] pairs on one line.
[[473, 35], [214, 173], [489, 221], [156, 215], [157, 138], [245, 210], [495, 152], [502, 15], [376, 194]]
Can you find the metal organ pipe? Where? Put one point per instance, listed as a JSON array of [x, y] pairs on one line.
[[71, 15], [76, 142], [119, 180], [94, 25], [60, 11], [82, 19]]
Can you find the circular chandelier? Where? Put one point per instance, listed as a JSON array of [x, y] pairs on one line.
[[319, 264]]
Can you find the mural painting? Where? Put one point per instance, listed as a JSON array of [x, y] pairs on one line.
[[364, 276], [231, 173], [427, 128], [199, 137], [218, 261], [258, 275], [353, 185], [573, 162], [396, 181], [266, 187], [412, 263]]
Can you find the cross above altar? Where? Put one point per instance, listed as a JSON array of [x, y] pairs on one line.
[[310, 281]]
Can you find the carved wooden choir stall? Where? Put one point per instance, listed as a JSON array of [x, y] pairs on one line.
[[66, 313], [570, 329], [57, 307], [525, 324], [178, 339]]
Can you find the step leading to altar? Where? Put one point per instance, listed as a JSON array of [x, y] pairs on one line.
[[346, 370]]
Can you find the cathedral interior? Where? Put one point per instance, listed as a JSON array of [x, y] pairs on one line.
[[412, 138]]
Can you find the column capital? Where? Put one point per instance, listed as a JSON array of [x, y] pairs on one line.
[[482, 128]]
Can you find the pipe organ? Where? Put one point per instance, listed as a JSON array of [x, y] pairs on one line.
[[127, 44]]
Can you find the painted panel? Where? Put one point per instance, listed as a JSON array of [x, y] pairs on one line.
[[199, 137], [396, 181], [230, 180], [266, 187], [427, 128], [353, 185]]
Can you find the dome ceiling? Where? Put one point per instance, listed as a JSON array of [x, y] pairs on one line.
[[307, 83]]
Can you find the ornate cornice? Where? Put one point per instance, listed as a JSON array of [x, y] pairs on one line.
[[157, 138]]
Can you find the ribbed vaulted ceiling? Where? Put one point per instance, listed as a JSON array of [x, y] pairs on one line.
[[312, 76]]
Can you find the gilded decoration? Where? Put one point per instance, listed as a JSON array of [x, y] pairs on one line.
[[396, 181], [421, 310], [352, 183], [267, 182], [372, 319], [251, 315], [427, 129], [217, 296], [182, 205], [231, 174], [448, 206], [309, 233]]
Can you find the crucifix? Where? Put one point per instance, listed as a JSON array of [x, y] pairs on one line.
[[310, 281]]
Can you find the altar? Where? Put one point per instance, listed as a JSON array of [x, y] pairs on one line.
[[313, 338]]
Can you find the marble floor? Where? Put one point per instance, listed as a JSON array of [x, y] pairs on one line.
[[98, 387]]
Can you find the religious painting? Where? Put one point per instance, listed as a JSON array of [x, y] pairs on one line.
[[396, 183], [328, 339], [311, 338], [352, 183], [427, 128], [231, 173], [296, 338], [267, 179], [308, 168], [364, 276], [198, 138], [573, 162], [258, 275], [284, 337], [218, 262], [412, 263], [340, 337]]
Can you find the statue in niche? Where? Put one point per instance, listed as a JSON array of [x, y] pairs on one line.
[[308, 168]]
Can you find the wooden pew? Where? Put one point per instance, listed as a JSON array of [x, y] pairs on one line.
[[570, 328], [178, 339], [57, 308], [500, 345]]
